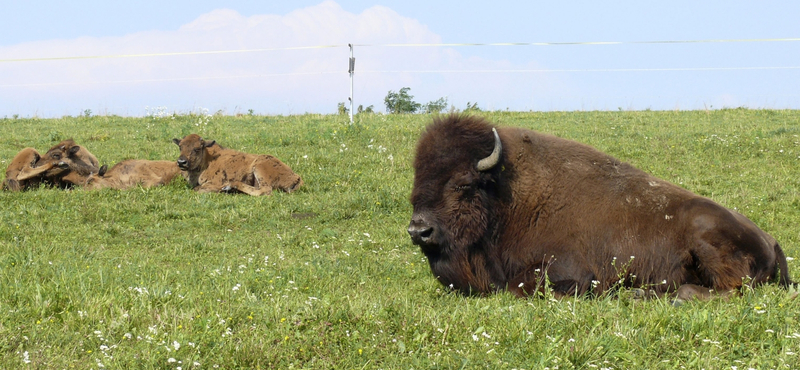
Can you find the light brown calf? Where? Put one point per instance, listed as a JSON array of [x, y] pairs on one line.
[[212, 168], [70, 164], [23, 173], [133, 172]]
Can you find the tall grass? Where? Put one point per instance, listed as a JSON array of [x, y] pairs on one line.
[[327, 277]]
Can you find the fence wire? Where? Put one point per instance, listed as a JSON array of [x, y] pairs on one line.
[[37, 59]]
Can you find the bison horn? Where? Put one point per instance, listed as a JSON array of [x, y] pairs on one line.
[[492, 160]]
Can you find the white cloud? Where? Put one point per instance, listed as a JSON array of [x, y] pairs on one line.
[[278, 81]]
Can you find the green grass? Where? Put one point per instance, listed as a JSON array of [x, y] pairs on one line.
[[327, 277]]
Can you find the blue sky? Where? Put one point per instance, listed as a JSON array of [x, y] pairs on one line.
[[630, 75]]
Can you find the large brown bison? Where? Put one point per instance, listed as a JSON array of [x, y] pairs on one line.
[[514, 209], [212, 168]]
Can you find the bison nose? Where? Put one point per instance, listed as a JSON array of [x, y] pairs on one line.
[[182, 163], [421, 233]]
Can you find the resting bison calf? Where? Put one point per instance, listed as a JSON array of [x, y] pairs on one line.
[[22, 173], [514, 209], [133, 172], [212, 168], [70, 164]]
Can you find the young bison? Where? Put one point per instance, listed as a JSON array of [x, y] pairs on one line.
[[23, 173], [212, 168], [70, 164], [133, 172]]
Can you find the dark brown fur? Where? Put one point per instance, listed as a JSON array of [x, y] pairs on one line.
[[133, 172], [212, 168], [557, 211]]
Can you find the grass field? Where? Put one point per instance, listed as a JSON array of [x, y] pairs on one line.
[[327, 277]]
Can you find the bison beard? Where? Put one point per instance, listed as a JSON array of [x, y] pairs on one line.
[[514, 209]]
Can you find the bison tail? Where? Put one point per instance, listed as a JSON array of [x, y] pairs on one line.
[[785, 280]]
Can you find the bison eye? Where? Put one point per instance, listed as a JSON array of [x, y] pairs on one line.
[[56, 156], [462, 187]]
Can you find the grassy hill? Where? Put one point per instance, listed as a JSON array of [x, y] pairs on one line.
[[327, 277]]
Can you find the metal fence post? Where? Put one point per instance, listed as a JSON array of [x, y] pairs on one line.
[[352, 71]]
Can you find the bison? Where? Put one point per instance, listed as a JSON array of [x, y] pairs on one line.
[[23, 172], [212, 168], [514, 209], [70, 164], [133, 172]]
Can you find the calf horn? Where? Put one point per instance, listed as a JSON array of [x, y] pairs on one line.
[[492, 160]]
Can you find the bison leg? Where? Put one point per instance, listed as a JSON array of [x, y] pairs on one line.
[[531, 281], [526, 284], [31, 172], [273, 173], [252, 190], [727, 251], [209, 188], [688, 292]]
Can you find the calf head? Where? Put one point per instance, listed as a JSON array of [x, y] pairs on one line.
[[94, 180], [68, 159], [456, 171], [193, 152]]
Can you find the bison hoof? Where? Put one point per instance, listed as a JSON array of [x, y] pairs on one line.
[[226, 189], [678, 302], [639, 293]]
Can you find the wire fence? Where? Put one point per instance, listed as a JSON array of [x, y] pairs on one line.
[[26, 60], [500, 44], [399, 45]]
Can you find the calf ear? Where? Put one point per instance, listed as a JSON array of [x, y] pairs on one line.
[[208, 144], [74, 150], [103, 170], [177, 142]]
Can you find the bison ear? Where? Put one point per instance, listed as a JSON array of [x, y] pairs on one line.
[[103, 170], [208, 144], [74, 150], [177, 141]]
